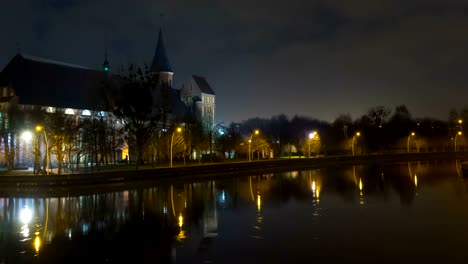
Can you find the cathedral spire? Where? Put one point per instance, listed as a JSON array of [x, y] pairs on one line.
[[160, 60], [106, 64]]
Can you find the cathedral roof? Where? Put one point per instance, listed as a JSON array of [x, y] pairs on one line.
[[160, 60], [203, 85], [44, 82]]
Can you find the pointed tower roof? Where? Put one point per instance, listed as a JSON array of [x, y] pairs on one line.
[[160, 59]]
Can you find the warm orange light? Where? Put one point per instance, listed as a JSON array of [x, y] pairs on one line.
[[459, 133], [181, 220], [39, 128], [415, 180], [358, 134], [259, 202], [37, 244], [412, 134], [179, 129], [256, 131], [360, 185], [460, 121]]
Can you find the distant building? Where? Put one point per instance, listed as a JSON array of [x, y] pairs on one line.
[[199, 93]]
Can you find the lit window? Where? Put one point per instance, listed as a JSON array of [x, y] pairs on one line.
[[86, 113], [50, 110], [69, 111]]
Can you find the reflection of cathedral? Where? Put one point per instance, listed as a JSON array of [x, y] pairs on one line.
[[182, 219]]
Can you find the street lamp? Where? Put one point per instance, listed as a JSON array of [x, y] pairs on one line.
[[455, 141], [358, 134], [256, 132], [311, 136], [172, 140], [407, 143], [39, 129]]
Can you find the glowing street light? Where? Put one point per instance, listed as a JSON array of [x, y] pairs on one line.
[[408, 141], [311, 136], [358, 134], [455, 141], [256, 132], [39, 129], [172, 140], [27, 136]]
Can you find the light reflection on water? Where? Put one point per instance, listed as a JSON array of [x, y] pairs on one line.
[[325, 213]]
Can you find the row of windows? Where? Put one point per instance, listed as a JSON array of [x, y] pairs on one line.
[[7, 92], [208, 99], [208, 110], [70, 111]]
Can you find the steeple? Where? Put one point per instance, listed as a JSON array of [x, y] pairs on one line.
[[160, 64], [106, 64]]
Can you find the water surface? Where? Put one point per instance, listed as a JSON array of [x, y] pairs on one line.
[[393, 213]]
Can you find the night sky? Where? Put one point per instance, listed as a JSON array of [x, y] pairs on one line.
[[262, 58]]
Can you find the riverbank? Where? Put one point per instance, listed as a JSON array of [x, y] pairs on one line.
[[147, 177]]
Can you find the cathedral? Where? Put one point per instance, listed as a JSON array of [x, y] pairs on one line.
[[32, 82]]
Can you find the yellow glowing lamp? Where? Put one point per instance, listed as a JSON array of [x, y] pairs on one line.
[[259, 202], [181, 220], [358, 134], [179, 129], [39, 128], [256, 131], [412, 134], [37, 244], [459, 133]]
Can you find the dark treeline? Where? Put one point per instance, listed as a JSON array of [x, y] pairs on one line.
[[381, 130]]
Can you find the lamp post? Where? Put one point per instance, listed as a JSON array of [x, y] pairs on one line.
[[311, 136], [358, 134], [455, 141], [39, 129], [407, 142], [172, 140], [250, 142]]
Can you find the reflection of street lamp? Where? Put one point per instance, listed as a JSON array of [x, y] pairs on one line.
[[311, 136], [455, 141], [172, 140], [358, 134], [407, 143], [39, 129], [256, 132]]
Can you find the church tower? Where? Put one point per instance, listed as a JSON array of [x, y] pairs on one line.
[[106, 64], [160, 65]]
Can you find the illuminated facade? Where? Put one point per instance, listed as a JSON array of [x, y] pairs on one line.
[[33, 83], [198, 92]]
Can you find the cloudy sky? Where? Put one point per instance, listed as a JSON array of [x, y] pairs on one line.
[[317, 58]]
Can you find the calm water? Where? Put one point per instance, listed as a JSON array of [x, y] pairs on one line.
[[395, 213]]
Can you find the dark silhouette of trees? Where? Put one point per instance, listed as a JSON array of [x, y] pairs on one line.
[[133, 102]]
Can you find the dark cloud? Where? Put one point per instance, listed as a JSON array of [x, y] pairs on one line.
[[315, 57]]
